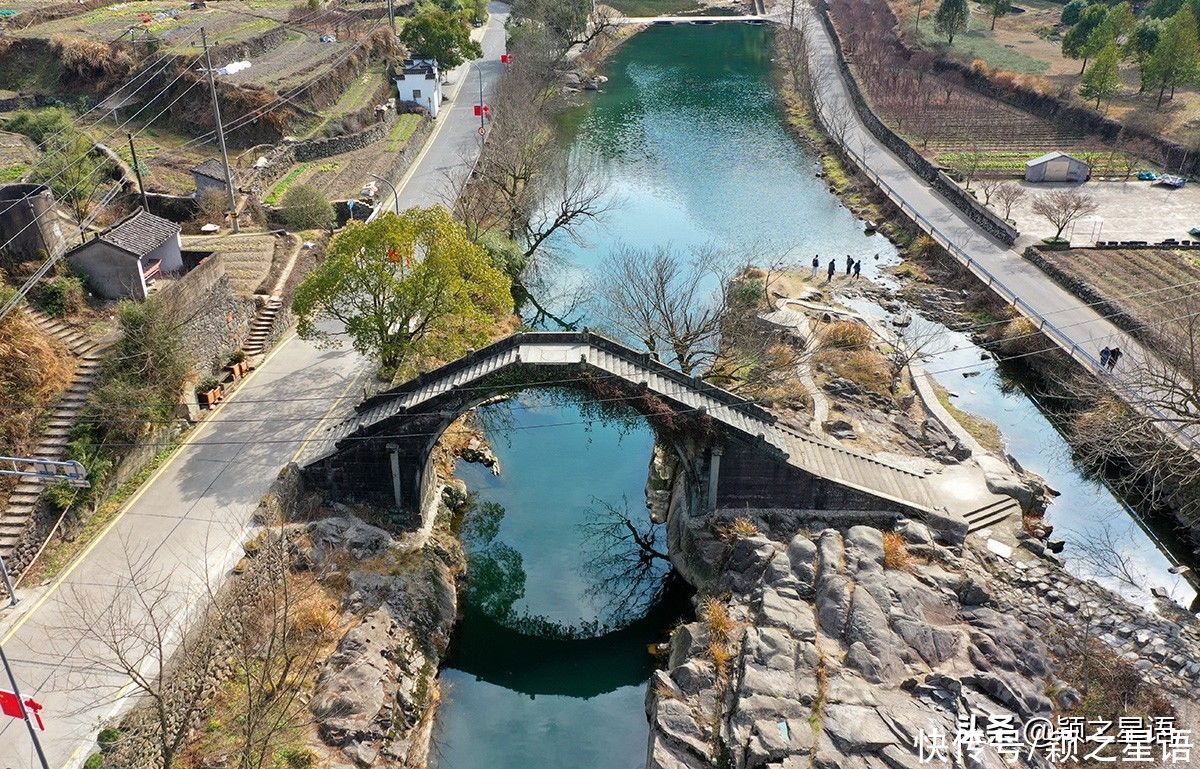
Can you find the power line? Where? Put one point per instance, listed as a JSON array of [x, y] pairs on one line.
[[15, 299]]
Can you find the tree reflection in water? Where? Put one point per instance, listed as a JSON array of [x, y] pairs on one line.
[[623, 557]]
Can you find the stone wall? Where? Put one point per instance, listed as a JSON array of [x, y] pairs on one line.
[[215, 320], [1099, 302], [947, 187]]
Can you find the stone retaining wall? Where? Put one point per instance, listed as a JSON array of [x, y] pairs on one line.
[[215, 320], [978, 213]]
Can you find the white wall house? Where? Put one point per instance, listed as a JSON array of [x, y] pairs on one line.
[[122, 261], [419, 82]]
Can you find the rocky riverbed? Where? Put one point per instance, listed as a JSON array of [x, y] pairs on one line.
[[841, 647]]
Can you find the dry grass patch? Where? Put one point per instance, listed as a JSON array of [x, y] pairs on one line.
[[983, 430], [721, 626], [845, 335], [895, 553], [865, 367], [738, 528]]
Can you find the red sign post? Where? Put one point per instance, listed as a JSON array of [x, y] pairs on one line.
[[506, 58], [10, 705]]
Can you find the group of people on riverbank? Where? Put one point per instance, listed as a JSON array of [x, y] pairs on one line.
[[852, 267]]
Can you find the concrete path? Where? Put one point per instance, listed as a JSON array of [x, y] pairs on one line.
[[1078, 329], [189, 519]]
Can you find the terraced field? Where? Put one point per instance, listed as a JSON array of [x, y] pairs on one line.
[[1155, 286], [342, 177], [166, 161], [247, 258], [17, 154]]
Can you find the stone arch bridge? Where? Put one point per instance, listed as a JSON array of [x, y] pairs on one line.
[[733, 453]]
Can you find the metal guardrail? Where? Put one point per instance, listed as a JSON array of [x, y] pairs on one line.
[[1182, 438]]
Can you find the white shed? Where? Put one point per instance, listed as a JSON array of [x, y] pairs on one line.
[[1057, 167], [418, 82]]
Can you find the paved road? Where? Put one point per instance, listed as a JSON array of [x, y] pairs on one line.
[[190, 518], [1080, 324]]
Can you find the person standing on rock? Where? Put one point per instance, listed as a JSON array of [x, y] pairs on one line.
[[1104, 357], [857, 269], [832, 269], [816, 264], [849, 264], [1114, 355]]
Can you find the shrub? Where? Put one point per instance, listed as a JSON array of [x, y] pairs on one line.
[[296, 758], [143, 373], [108, 737], [211, 205], [94, 761], [305, 208], [42, 125], [845, 335], [60, 296]]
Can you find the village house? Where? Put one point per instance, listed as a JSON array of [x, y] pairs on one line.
[[210, 175], [123, 261], [418, 82]]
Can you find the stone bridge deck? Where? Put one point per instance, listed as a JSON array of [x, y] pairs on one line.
[[603, 356]]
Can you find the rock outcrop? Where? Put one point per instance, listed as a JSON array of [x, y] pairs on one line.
[[836, 660], [377, 693]]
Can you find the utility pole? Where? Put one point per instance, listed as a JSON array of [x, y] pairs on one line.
[[12, 681], [792, 16], [395, 195], [212, 87], [137, 171], [392, 15]]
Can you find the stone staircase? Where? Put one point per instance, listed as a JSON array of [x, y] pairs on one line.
[[260, 327], [52, 444], [994, 512]]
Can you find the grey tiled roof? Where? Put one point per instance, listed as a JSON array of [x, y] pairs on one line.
[[212, 168], [140, 234]]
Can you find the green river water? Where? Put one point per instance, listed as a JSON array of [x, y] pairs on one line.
[[688, 132]]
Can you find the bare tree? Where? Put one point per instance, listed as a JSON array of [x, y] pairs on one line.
[[279, 636], [138, 638], [968, 163], [1008, 195], [671, 303], [919, 341], [1063, 207], [1144, 418], [988, 186]]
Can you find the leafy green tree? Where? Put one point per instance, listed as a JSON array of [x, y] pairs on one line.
[[1163, 9], [405, 285], [305, 208], [1140, 44], [950, 18], [440, 35], [1176, 58], [997, 8], [74, 174], [1088, 36], [1103, 79], [1072, 12]]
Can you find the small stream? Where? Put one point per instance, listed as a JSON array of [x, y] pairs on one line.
[[688, 131]]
